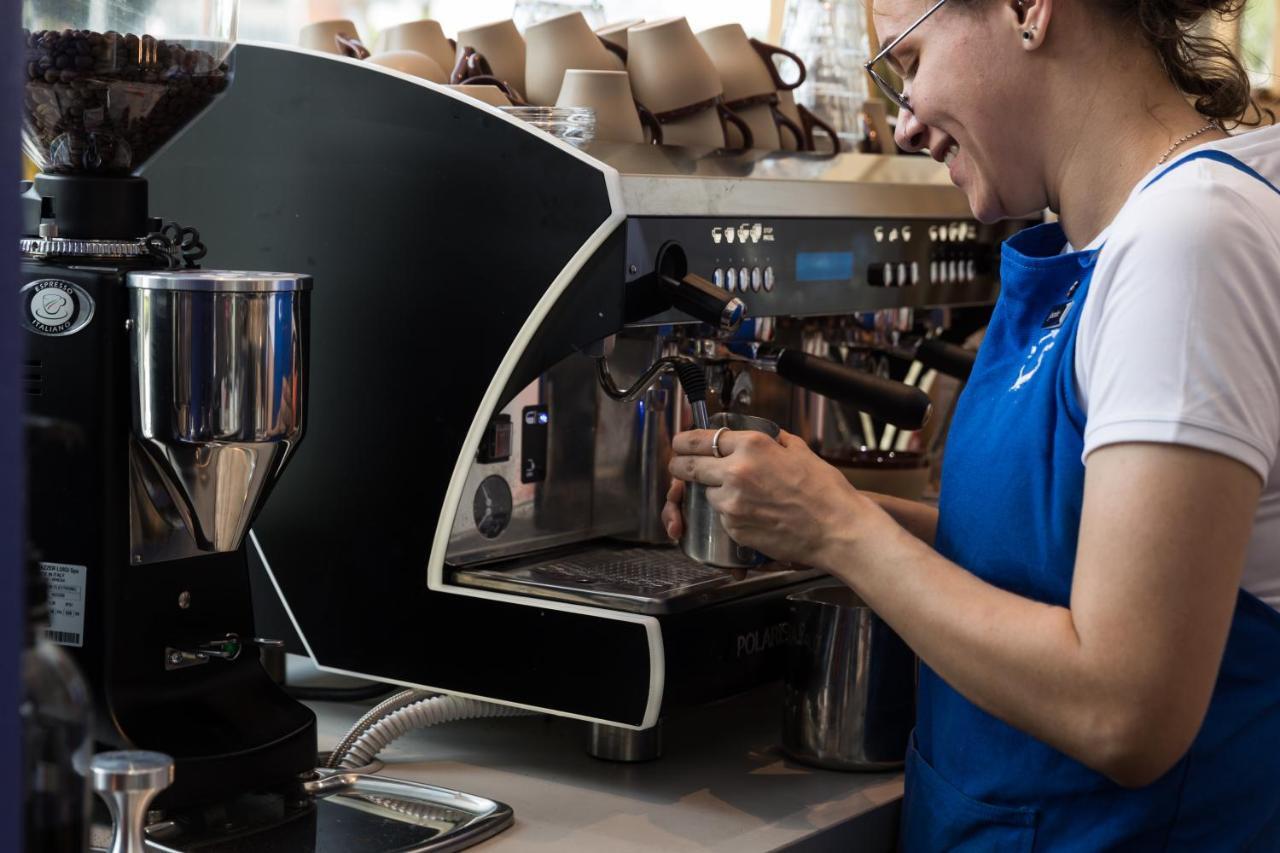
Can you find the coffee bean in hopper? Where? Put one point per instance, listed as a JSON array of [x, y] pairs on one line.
[[102, 103]]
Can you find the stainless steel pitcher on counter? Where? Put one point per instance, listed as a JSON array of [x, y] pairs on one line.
[[849, 701]]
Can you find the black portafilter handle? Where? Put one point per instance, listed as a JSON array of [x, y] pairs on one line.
[[693, 294], [949, 359], [904, 406]]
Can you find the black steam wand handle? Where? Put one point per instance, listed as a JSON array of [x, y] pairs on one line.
[[949, 359], [904, 406], [693, 294], [701, 299]]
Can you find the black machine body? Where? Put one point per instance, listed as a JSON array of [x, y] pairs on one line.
[[227, 725], [439, 335]]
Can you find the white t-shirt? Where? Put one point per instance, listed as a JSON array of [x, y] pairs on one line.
[[1179, 337]]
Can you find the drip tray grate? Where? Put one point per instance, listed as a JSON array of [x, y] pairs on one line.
[[639, 579]]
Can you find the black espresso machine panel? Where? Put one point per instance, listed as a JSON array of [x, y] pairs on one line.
[[815, 267]]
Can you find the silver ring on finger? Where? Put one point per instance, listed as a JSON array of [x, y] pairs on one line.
[[715, 443]]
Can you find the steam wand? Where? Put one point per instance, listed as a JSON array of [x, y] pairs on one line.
[[692, 379]]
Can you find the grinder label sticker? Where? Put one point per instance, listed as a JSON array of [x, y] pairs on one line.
[[65, 583], [52, 306]]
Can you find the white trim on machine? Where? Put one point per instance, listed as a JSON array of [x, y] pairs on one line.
[[488, 404]]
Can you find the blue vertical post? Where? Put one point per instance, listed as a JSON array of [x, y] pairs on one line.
[[11, 467]]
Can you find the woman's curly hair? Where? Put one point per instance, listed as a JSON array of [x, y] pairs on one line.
[[1198, 63]]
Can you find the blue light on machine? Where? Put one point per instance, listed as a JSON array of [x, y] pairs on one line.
[[542, 418], [824, 266]]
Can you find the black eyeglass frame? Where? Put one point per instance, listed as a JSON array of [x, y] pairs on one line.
[[899, 98]]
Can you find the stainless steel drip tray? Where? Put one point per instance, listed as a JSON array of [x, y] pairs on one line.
[[338, 812], [653, 580]]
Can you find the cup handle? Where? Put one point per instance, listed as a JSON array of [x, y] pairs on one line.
[[811, 121], [727, 117], [649, 120], [470, 64], [616, 49], [767, 52], [506, 88], [350, 46], [784, 122]]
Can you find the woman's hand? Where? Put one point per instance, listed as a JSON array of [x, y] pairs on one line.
[[775, 496], [672, 513]]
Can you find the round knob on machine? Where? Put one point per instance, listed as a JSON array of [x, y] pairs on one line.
[[129, 780]]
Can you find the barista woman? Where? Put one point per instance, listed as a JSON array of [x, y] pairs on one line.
[[1094, 601]]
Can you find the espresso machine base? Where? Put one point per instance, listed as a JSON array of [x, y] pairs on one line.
[[627, 746]]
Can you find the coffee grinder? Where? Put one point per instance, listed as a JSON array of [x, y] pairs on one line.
[[164, 401]]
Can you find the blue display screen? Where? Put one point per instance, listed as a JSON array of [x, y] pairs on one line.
[[824, 266]]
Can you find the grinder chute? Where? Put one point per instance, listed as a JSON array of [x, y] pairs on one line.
[[218, 364]]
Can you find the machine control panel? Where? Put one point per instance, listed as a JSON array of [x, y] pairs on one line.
[[797, 267]]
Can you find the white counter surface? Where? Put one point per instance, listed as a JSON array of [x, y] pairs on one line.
[[722, 784]]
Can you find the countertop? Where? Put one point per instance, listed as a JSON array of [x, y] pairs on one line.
[[722, 783]]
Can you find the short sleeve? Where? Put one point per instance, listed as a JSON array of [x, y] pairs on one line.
[[1179, 338]]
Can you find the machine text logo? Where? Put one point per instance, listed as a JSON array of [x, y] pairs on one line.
[[763, 639]]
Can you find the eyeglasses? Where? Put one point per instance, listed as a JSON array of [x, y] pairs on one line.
[[886, 87]]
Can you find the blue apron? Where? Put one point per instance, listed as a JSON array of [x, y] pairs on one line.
[[1012, 491]]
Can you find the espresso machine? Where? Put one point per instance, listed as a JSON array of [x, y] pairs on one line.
[[163, 403], [475, 511]]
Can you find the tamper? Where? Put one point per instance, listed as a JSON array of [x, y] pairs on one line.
[[129, 780]]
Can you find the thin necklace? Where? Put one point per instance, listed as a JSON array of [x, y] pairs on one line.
[[1190, 136]]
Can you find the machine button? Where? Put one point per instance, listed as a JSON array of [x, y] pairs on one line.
[[888, 275], [915, 272], [533, 444], [933, 271], [902, 275], [744, 279], [768, 279], [971, 270], [717, 277], [755, 278], [953, 275], [731, 280]]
